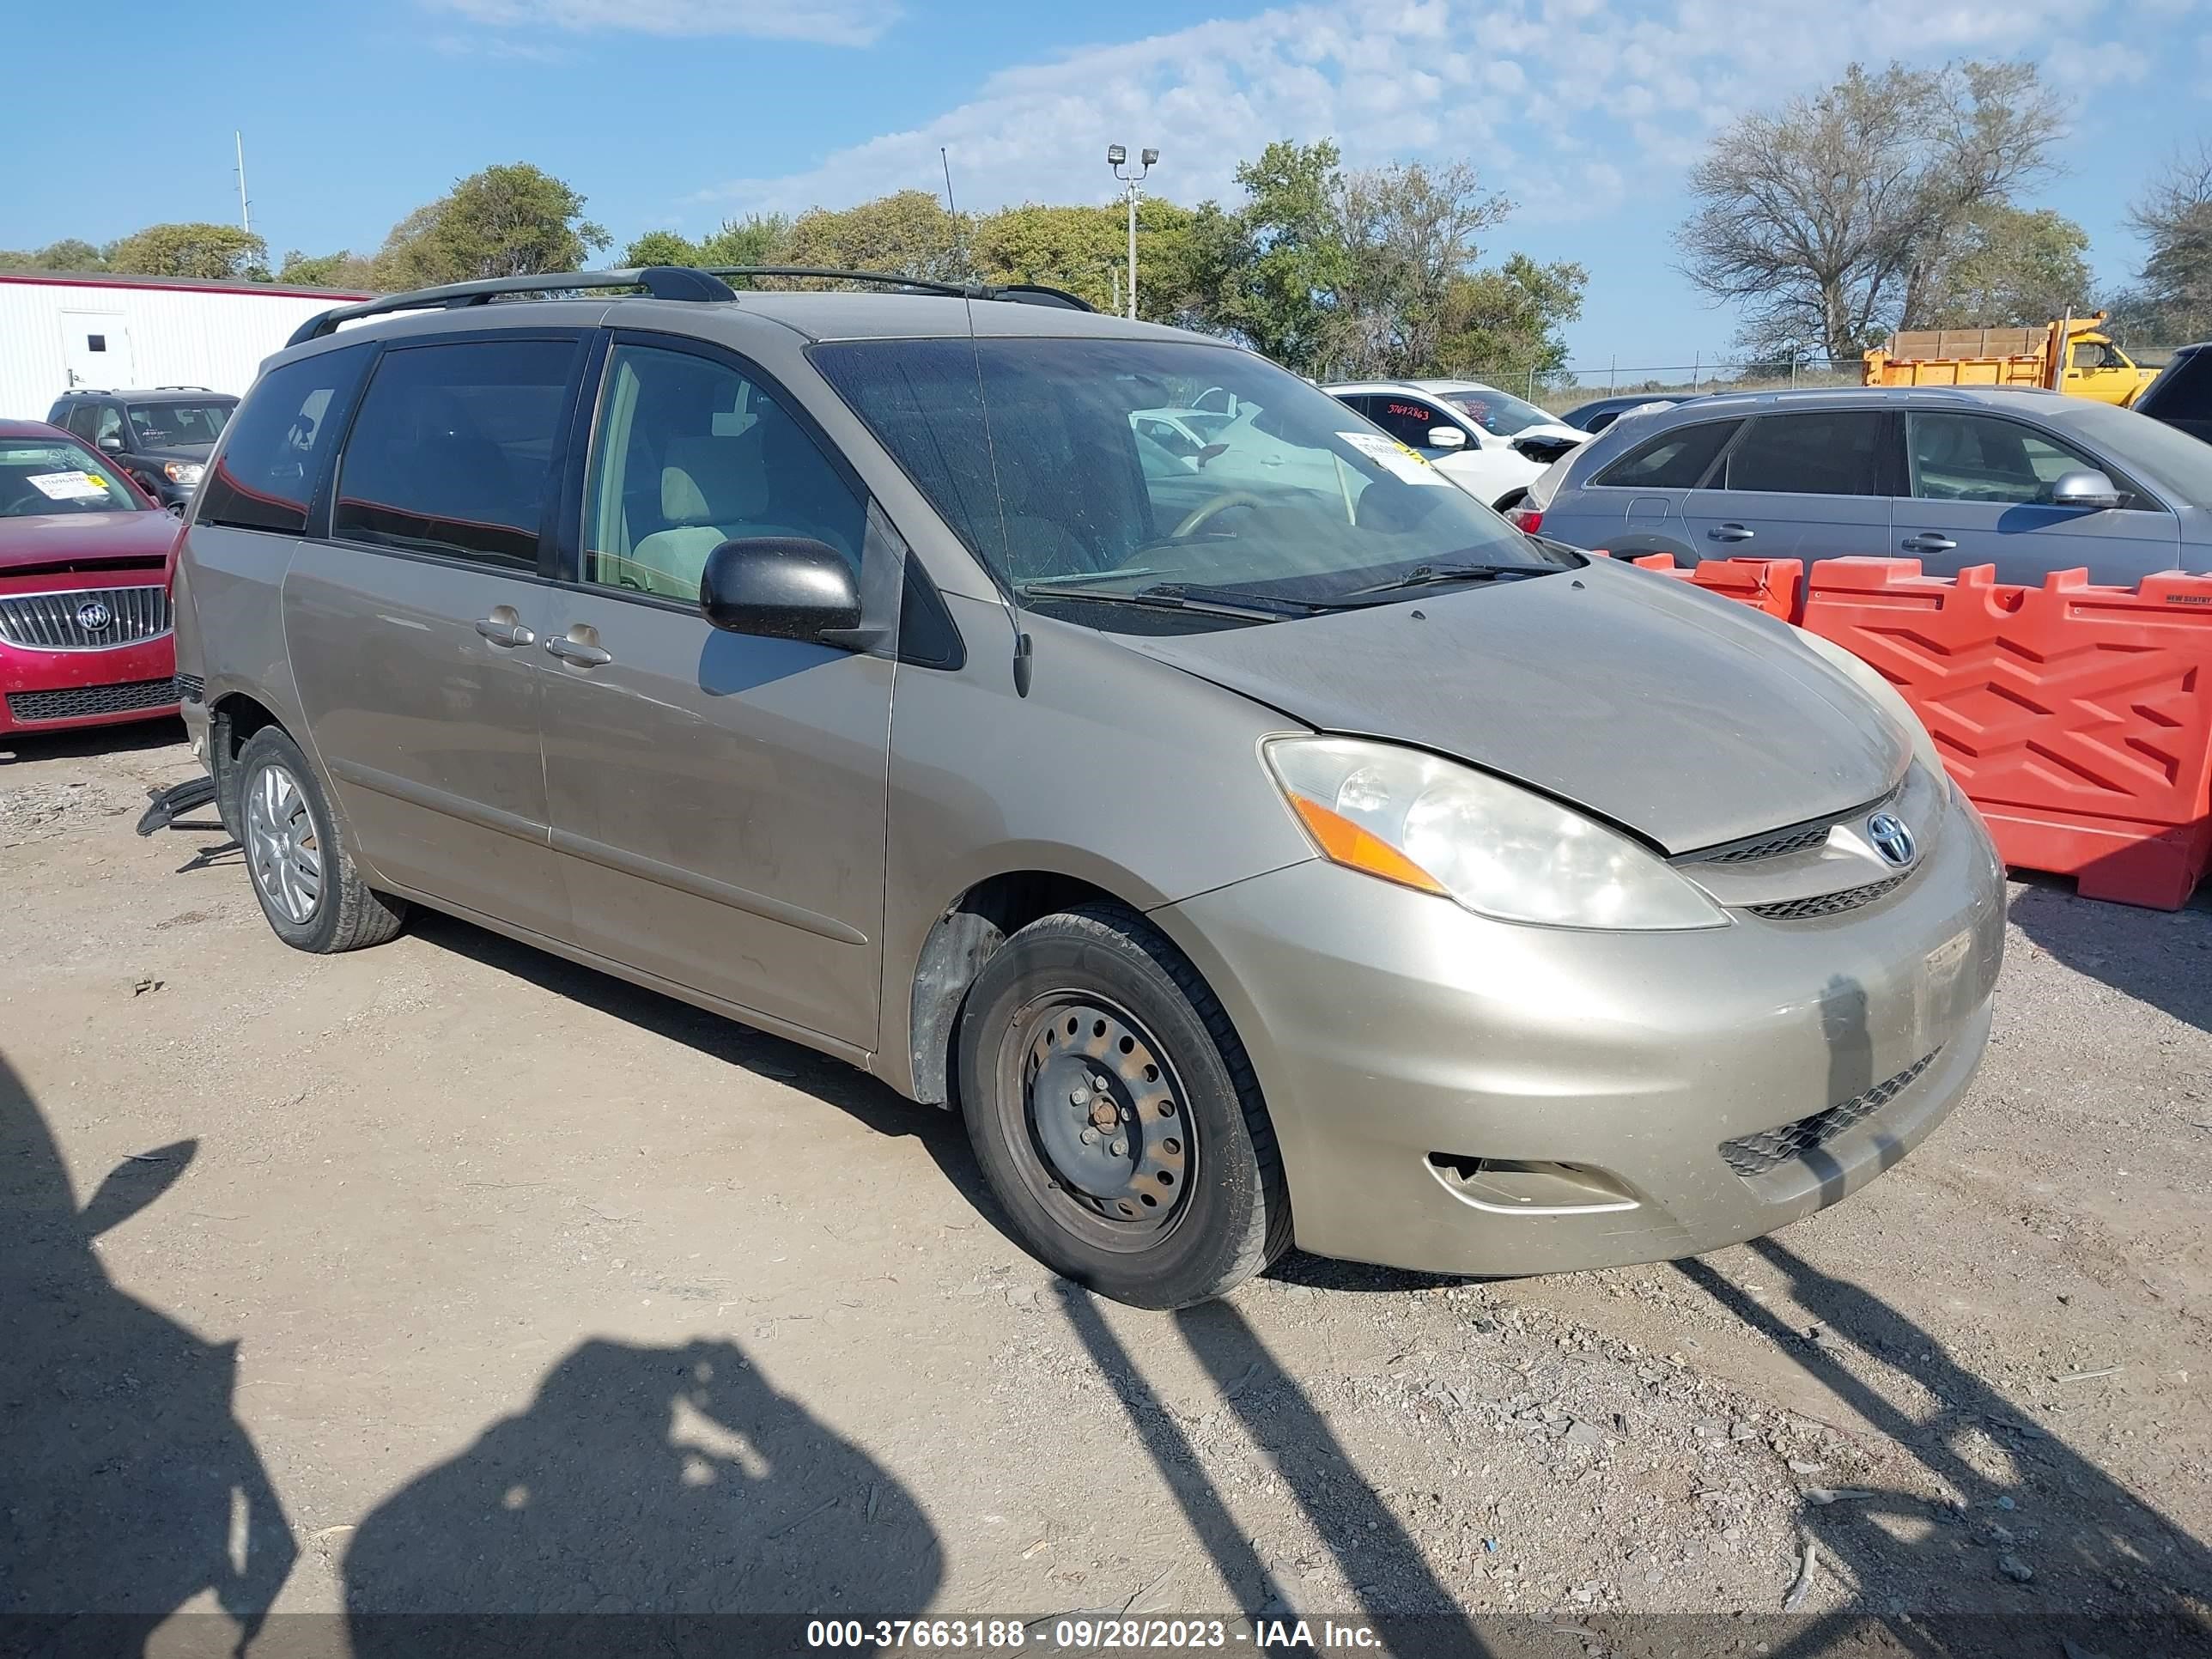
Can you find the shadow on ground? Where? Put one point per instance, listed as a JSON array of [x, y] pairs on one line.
[[132, 1488], [84, 741], [2113, 943]]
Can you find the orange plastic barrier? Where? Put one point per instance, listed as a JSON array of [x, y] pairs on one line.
[[2078, 717], [1774, 586]]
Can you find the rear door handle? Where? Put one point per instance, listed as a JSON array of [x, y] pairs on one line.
[[1730, 532], [578, 653], [1929, 542], [504, 629]]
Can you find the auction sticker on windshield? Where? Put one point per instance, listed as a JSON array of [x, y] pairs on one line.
[[68, 486], [1406, 464]]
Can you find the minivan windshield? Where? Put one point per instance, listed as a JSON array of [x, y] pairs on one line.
[[1034, 451]]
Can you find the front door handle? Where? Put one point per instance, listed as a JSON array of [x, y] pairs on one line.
[[503, 628], [1929, 542], [1730, 532], [578, 653]]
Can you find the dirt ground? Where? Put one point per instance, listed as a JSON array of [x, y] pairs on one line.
[[447, 1276]]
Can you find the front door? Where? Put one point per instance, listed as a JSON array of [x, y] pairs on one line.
[[415, 630], [718, 800], [1798, 486], [1980, 493], [96, 349]]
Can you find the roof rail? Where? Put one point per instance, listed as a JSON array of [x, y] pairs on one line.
[[1035, 293], [180, 388], [662, 282]]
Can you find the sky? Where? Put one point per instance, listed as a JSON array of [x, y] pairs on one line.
[[677, 113]]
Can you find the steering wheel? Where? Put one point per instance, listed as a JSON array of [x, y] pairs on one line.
[[30, 498], [1205, 512]]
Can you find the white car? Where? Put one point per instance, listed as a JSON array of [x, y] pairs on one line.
[[1490, 443]]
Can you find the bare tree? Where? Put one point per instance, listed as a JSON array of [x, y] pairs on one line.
[[1834, 219], [1409, 236], [2174, 216]]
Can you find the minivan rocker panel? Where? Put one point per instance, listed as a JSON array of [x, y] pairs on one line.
[[1693, 730]]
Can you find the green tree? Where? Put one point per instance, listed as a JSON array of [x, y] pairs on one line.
[[661, 248], [1085, 251], [908, 234], [1503, 323], [341, 269], [2011, 267], [758, 239], [216, 252], [1407, 234], [1276, 257], [510, 220], [68, 254]]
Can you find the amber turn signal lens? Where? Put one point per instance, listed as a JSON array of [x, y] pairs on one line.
[[1345, 842]]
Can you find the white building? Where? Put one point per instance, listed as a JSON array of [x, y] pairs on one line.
[[62, 330]]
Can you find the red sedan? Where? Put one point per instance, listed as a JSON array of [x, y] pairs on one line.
[[85, 561]]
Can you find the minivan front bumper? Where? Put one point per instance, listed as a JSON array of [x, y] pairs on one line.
[[1456, 1095]]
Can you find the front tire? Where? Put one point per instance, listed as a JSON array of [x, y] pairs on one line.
[[1115, 1114], [309, 888]]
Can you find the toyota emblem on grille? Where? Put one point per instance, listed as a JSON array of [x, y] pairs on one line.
[[93, 616], [1890, 837]]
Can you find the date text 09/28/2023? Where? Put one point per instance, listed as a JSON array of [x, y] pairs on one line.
[[1085, 1635]]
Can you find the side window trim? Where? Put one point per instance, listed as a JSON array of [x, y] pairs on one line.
[[321, 506]]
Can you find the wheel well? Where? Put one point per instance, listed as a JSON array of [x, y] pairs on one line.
[[231, 720], [966, 937]]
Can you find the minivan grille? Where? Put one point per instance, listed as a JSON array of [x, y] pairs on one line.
[[65, 621], [1774, 847], [1751, 1155], [1828, 904]]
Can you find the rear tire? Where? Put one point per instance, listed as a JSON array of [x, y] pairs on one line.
[[309, 888], [1115, 1114]]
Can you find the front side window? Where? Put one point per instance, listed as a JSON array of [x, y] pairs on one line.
[[690, 453], [1981, 458], [264, 475], [40, 477], [158, 426], [1819, 453], [1674, 460], [107, 426], [452, 450], [1027, 450]]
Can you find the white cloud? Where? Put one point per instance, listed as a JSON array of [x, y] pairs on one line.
[[1564, 104], [829, 22]]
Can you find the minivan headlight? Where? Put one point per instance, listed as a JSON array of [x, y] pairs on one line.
[[1501, 851]]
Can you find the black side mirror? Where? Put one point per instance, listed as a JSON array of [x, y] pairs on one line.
[[782, 587]]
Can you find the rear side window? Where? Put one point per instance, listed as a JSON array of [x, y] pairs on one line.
[[274, 449], [453, 449], [1672, 460], [1820, 452], [2183, 392]]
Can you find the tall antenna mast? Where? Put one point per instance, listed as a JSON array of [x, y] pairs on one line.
[[245, 206], [959, 236]]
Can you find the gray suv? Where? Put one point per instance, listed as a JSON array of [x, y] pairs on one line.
[[1291, 852], [2030, 482]]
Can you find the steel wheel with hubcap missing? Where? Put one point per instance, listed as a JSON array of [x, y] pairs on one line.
[[1115, 1113], [1113, 1153], [282, 848]]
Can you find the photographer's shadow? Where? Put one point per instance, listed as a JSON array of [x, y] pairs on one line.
[[673, 1481]]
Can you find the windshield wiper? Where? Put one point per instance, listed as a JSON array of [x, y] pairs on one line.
[[1425, 575], [1178, 596]]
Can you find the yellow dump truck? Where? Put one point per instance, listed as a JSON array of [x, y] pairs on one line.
[[2072, 354]]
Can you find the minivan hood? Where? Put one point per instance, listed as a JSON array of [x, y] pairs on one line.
[[1690, 720]]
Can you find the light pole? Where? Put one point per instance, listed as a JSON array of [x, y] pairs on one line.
[[1117, 158]]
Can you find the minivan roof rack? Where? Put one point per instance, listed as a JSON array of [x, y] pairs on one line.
[[662, 282]]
